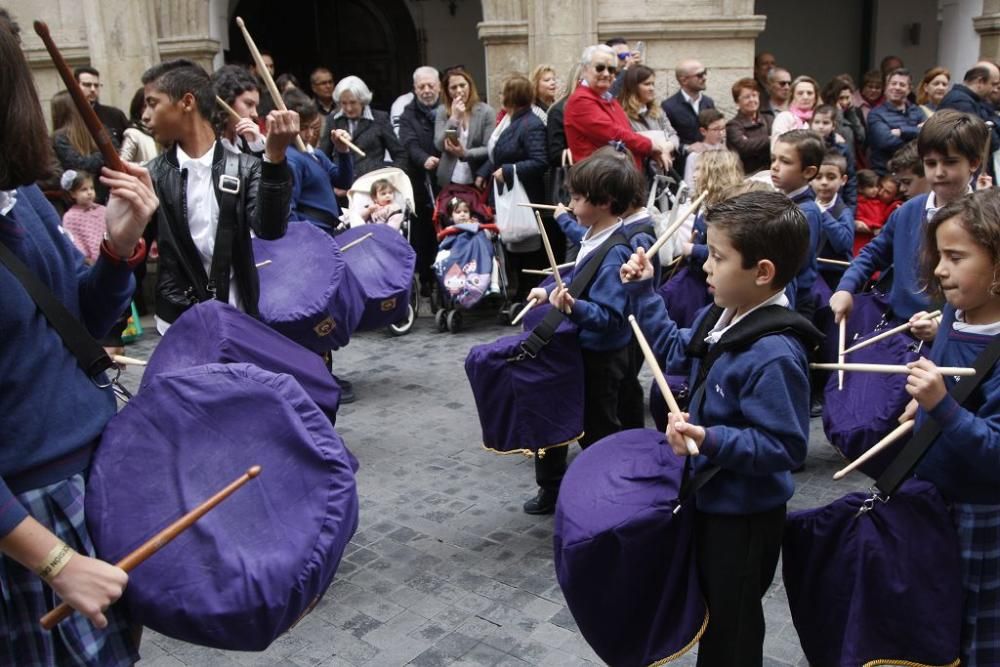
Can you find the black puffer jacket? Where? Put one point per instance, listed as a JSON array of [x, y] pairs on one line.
[[263, 203]]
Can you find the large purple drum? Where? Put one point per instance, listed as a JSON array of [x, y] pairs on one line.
[[877, 587], [306, 290], [383, 266], [526, 403], [624, 560], [249, 569], [215, 332], [685, 294]]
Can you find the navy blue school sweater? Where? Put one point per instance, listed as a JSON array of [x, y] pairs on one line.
[[50, 411], [755, 409], [313, 178], [898, 246], [849, 191], [964, 461], [823, 228]]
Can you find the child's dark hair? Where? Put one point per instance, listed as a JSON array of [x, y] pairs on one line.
[[979, 215], [708, 116], [606, 179], [887, 178], [835, 158], [383, 184], [764, 225], [625, 156], [826, 110], [231, 81], [949, 130], [454, 203], [866, 179], [302, 104], [907, 159], [809, 146], [178, 77]]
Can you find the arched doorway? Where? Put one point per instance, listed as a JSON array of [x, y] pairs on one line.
[[373, 39]]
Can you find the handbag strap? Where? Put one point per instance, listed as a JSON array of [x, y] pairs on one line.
[[89, 354], [902, 467], [222, 255]]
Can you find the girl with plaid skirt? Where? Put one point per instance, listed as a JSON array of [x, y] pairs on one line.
[[962, 262], [51, 413]]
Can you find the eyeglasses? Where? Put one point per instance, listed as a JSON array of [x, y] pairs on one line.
[[700, 75], [783, 84], [600, 68], [324, 82]]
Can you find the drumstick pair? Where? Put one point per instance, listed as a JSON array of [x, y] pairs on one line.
[[553, 267]]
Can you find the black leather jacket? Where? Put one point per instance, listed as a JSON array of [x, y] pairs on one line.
[[264, 200]]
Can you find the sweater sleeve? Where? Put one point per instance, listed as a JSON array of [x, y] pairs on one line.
[[341, 172], [979, 435], [587, 117], [668, 341], [604, 308], [573, 230], [875, 256], [839, 232]]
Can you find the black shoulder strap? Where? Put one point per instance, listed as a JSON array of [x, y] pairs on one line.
[[222, 255], [89, 354], [907, 460], [543, 332]]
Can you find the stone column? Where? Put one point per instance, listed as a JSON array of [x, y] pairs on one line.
[[504, 34], [119, 39], [988, 27], [184, 31]]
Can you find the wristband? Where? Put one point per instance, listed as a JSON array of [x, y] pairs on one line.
[[138, 254], [55, 561]]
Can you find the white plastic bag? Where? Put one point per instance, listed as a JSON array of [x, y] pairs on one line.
[[516, 223]]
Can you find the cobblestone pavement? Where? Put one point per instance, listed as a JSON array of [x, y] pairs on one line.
[[445, 568]]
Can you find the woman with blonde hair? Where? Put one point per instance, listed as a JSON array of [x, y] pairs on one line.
[[545, 85], [932, 89], [804, 100], [74, 146]]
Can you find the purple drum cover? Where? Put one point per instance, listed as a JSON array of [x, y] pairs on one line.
[[215, 332], [531, 403], [383, 266], [883, 586], [684, 295], [658, 405], [624, 560], [870, 311], [247, 570], [306, 292]]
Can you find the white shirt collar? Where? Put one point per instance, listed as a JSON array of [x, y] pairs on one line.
[[591, 242], [8, 198], [931, 207], [693, 101], [826, 207], [795, 193], [991, 329], [204, 162], [640, 214], [727, 321]]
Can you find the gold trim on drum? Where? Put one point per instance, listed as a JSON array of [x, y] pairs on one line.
[[326, 327], [531, 452], [388, 305], [697, 638], [908, 663]]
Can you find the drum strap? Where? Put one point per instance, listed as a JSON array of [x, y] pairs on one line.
[[222, 256], [543, 332], [902, 467], [89, 354]]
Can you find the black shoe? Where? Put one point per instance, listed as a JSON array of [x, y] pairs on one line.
[[346, 390], [543, 503], [816, 408]]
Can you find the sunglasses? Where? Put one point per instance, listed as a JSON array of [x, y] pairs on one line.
[[601, 67], [700, 75], [783, 84]]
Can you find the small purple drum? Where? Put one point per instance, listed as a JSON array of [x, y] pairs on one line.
[[624, 560], [215, 332], [249, 569], [383, 266], [882, 586], [306, 290], [525, 403]]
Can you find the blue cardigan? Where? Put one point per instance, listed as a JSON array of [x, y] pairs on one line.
[[882, 143], [50, 411], [964, 461], [313, 179], [898, 246], [823, 228]]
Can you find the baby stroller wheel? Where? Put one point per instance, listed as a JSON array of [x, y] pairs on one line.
[[415, 296], [441, 319], [454, 321], [404, 325], [509, 312]]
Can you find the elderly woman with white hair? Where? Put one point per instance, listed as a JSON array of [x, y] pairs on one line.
[[370, 130], [594, 118]]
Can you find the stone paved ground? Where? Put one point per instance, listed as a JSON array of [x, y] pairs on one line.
[[445, 568]]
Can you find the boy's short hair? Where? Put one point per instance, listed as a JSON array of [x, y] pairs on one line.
[[606, 179], [949, 130], [626, 157], [381, 184], [178, 77], [708, 116], [907, 159], [835, 158], [231, 81], [826, 110], [764, 225], [300, 103], [809, 146]]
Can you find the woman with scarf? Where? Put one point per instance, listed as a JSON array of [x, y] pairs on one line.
[[805, 98]]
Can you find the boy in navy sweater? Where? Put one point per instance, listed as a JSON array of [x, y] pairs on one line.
[[829, 184], [824, 122], [949, 143], [795, 161], [749, 413], [602, 187]]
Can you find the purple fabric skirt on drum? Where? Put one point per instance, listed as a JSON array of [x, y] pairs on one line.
[[685, 294], [882, 586], [528, 404], [307, 292], [215, 332], [624, 560], [250, 568], [383, 267]]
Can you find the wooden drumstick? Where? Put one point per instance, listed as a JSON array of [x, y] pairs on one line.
[[158, 541], [265, 75], [548, 272], [661, 380], [94, 125], [355, 242], [130, 361], [260, 265], [672, 229], [890, 332], [524, 311], [840, 352], [231, 111], [891, 368], [894, 435], [834, 262], [544, 207], [548, 251]]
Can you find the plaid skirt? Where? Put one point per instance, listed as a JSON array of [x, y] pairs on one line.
[[979, 538], [25, 598]]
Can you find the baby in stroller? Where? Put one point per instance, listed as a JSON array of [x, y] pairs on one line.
[[385, 207], [380, 196]]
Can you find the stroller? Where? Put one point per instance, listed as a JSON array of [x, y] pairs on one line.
[[470, 262], [388, 248]]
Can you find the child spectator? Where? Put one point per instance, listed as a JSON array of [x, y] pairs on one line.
[[874, 208], [828, 184], [824, 122], [712, 126], [85, 218], [384, 207], [908, 170]]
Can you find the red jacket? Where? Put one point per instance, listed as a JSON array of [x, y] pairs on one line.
[[592, 122]]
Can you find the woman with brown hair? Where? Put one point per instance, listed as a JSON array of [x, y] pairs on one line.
[[462, 127], [932, 89], [749, 131], [638, 99], [74, 146]]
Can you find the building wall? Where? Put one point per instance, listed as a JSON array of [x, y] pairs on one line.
[[448, 40], [894, 33]]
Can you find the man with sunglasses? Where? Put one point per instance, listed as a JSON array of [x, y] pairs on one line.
[[683, 107], [779, 91], [626, 58]]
